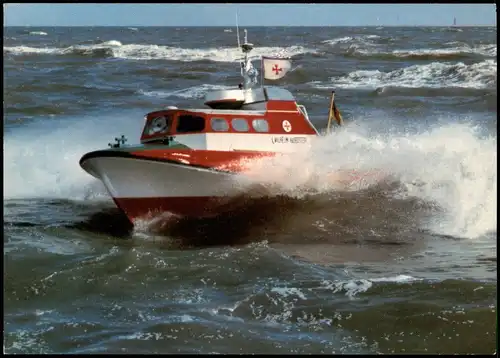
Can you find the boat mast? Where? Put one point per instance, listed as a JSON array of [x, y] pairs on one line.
[[238, 39], [246, 47]]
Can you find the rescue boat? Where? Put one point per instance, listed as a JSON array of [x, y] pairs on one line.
[[187, 159]]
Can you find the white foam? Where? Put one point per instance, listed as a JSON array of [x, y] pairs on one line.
[[142, 336], [361, 39], [39, 33], [366, 45], [151, 52], [197, 92], [42, 312], [484, 50], [451, 166], [463, 49], [221, 54], [397, 279], [356, 286], [433, 75], [43, 163], [289, 291], [350, 287], [21, 50], [32, 341], [111, 43]]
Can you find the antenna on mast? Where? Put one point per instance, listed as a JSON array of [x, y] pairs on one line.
[[239, 43], [246, 65], [237, 30]]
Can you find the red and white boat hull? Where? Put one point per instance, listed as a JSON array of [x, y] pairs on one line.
[[144, 187], [195, 162]]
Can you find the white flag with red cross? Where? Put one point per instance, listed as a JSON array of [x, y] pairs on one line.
[[275, 67]]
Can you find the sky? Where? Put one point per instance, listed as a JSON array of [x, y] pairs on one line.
[[219, 14]]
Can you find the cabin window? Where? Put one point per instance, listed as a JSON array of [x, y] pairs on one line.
[[240, 125], [260, 125], [187, 123], [219, 124], [160, 124]]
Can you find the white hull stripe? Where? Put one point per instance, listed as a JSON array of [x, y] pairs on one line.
[[139, 178], [263, 142]]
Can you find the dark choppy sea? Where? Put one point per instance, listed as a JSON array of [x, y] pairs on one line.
[[407, 266]]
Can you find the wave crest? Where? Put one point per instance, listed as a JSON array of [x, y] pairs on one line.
[[116, 49], [434, 75]]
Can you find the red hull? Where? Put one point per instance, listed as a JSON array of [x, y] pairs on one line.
[[136, 208]]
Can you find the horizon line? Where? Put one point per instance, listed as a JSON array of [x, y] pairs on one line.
[[231, 26]]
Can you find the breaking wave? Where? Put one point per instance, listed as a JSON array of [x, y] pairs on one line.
[[366, 40], [371, 46], [433, 75], [116, 49], [197, 92], [454, 53], [39, 33], [483, 50]]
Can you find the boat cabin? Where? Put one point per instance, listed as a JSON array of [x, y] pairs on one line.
[[258, 111]]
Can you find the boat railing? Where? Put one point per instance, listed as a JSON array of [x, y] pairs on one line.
[[303, 110]]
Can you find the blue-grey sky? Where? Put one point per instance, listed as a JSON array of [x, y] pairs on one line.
[[249, 14]]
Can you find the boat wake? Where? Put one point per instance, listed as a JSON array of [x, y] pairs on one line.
[[450, 167], [333, 218], [442, 182]]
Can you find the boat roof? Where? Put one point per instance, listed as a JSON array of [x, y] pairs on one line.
[[225, 111], [276, 93], [253, 95]]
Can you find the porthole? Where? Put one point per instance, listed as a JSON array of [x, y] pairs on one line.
[[260, 125], [219, 125], [240, 125]]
